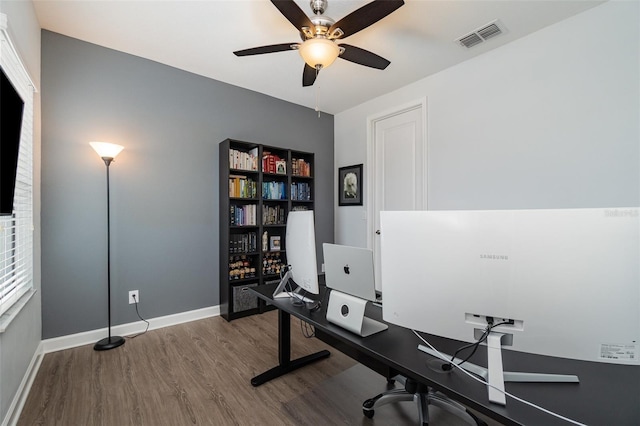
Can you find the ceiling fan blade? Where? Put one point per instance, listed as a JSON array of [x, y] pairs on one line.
[[293, 13], [367, 15], [309, 75], [363, 57], [272, 48]]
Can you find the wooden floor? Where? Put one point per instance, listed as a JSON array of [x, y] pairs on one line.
[[199, 373]]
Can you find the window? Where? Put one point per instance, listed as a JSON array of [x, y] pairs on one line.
[[16, 231]]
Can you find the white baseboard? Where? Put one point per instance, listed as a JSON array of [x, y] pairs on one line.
[[92, 336], [20, 397]]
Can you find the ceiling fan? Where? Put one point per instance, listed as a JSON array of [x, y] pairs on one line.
[[319, 34]]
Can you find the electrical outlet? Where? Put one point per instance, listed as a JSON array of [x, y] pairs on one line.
[[134, 296], [323, 267]]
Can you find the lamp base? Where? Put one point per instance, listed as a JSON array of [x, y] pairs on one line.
[[109, 343]]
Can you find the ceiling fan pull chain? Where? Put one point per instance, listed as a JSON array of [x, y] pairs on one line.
[[316, 90]]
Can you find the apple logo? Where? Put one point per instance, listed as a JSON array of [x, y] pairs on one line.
[[346, 269]]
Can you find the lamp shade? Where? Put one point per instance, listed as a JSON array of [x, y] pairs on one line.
[[319, 52], [106, 149]]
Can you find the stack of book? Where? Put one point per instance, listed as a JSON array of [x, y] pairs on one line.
[[274, 191], [241, 160], [273, 215], [243, 243], [243, 215], [242, 187], [272, 163], [300, 191], [299, 167]]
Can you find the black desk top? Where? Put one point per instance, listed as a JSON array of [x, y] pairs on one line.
[[607, 394]]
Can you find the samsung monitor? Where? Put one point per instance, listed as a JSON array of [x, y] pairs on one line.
[[11, 110], [302, 269], [565, 281], [349, 273]]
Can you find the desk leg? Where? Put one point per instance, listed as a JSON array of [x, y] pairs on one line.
[[286, 365]]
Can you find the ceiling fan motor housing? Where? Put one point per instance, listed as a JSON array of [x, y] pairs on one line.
[[318, 6], [322, 24]]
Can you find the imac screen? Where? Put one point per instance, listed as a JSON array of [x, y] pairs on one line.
[[300, 245], [568, 279]]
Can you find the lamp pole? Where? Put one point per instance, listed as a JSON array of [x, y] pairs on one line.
[[109, 342]]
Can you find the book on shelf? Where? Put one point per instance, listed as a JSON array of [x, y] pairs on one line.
[[300, 191], [242, 160], [244, 215], [242, 187], [274, 190], [299, 167], [273, 215], [272, 163], [243, 243]]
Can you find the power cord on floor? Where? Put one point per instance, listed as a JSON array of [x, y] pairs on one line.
[[135, 299]]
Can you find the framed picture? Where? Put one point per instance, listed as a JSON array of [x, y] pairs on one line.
[[350, 185], [275, 243]]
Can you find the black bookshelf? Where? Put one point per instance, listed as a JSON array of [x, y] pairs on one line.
[[259, 186]]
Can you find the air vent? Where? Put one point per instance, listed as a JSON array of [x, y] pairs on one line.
[[481, 34], [471, 40], [489, 31]]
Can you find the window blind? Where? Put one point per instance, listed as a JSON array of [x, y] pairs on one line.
[[16, 231]]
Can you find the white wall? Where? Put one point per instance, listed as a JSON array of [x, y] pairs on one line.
[[19, 342], [548, 121]]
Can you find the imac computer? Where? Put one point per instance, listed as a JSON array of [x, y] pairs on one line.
[[349, 273], [561, 282], [302, 269]]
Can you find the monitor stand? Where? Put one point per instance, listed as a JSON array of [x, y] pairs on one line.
[[494, 374], [281, 292], [347, 312]]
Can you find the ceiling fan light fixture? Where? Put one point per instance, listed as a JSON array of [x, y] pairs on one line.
[[319, 52]]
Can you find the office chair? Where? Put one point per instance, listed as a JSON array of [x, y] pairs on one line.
[[424, 396]]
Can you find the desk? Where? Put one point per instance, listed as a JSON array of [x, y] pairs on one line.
[[607, 394]]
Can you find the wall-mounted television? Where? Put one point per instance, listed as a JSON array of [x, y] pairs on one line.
[[11, 111]]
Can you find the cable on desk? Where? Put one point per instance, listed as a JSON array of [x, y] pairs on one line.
[[444, 358], [475, 345]]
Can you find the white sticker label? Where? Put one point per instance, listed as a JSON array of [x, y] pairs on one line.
[[620, 352]]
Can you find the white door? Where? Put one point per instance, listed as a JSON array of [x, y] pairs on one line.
[[398, 175]]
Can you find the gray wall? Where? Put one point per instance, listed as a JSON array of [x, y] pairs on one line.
[[164, 185]]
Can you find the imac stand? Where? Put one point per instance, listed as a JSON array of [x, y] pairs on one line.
[[281, 291], [347, 312], [494, 374]]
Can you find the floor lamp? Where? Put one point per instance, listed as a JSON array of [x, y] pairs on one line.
[[108, 152]]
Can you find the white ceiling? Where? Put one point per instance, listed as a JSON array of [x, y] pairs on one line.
[[200, 36]]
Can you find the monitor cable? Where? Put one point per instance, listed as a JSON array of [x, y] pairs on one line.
[[530, 404], [475, 345]]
